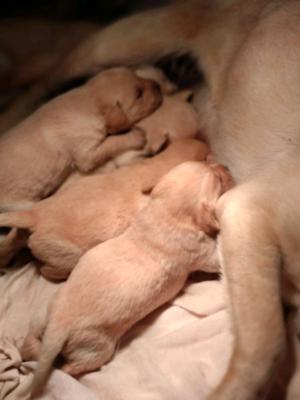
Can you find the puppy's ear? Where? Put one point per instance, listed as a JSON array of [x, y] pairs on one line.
[[207, 219], [115, 118]]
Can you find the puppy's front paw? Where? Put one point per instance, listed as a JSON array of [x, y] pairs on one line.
[[137, 139]]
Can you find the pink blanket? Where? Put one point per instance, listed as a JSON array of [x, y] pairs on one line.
[[180, 351]]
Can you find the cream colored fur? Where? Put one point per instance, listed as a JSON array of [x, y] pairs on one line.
[[71, 132], [249, 53], [117, 283], [92, 209], [175, 119]]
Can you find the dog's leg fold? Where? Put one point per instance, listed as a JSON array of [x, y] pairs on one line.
[[251, 266]]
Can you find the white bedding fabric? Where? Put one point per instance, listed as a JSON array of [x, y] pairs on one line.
[[179, 352]]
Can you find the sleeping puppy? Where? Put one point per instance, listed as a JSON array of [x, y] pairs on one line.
[[128, 277], [71, 133], [92, 209], [175, 119]]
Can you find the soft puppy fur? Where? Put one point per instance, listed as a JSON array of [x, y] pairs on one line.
[[129, 276], [175, 119], [71, 133], [249, 53], [93, 209]]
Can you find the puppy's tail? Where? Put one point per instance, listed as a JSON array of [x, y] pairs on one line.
[[17, 219], [52, 344]]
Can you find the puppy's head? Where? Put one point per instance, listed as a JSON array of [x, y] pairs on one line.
[[176, 119], [190, 192], [124, 98]]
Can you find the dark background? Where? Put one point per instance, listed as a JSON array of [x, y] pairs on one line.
[[95, 10]]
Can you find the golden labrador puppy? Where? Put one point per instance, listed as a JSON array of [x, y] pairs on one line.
[[71, 133], [91, 210], [34, 96], [131, 275], [175, 119], [249, 53]]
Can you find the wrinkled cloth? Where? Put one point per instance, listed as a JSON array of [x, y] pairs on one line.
[[179, 351]]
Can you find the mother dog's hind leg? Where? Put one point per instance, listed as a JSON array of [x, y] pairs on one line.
[[251, 267]]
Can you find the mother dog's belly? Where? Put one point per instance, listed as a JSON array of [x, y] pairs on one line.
[[257, 114]]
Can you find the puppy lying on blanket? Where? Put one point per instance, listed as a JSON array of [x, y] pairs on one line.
[[70, 132], [119, 282], [94, 209]]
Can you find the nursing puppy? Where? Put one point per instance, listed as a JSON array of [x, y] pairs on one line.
[[175, 119], [71, 133], [92, 209], [131, 275], [249, 53]]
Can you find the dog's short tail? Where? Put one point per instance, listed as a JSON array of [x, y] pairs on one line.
[[17, 219], [52, 344]]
